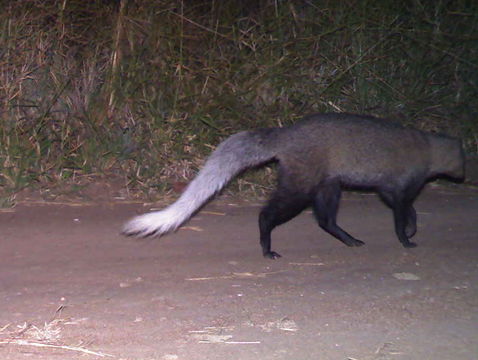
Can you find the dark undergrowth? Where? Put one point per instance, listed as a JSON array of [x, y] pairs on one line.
[[143, 90]]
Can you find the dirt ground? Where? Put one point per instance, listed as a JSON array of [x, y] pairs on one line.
[[72, 288]]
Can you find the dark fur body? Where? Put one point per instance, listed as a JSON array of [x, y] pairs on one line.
[[321, 155]]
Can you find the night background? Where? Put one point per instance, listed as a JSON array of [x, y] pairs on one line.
[[142, 90], [109, 108]]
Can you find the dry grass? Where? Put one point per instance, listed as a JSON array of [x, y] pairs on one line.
[[142, 90], [47, 336]]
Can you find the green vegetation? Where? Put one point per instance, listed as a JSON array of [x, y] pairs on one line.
[[142, 90]]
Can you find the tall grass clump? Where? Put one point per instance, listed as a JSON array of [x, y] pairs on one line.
[[142, 90]]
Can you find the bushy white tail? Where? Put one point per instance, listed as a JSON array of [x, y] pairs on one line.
[[235, 154]]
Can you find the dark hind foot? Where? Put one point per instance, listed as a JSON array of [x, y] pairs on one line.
[[354, 242], [271, 255], [409, 245]]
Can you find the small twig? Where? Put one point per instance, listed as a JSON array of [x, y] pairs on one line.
[[193, 228], [306, 264], [37, 344], [236, 275], [213, 213]]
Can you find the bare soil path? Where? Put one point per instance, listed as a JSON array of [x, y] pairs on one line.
[[69, 285]]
